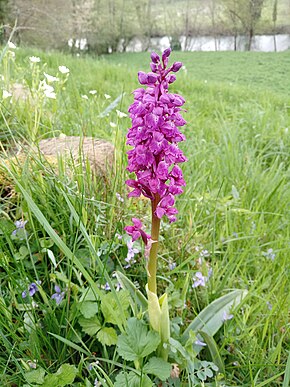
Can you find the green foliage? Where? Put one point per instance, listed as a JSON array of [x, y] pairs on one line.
[[132, 380], [90, 325], [110, 307], [157, 367], [64, 376], [233, 219], [210, 319], [137, 342]]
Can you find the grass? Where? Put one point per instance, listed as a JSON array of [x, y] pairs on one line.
[[234, 214]]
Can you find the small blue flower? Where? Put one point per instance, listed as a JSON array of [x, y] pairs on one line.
[[227, 316], [118, 286], [172, 265], [199, 342], [20, 225], [32, 289], [204, 253], [58, 295], [131, 253], [269, 305], [199, 280], [107, 286], [269, 254]]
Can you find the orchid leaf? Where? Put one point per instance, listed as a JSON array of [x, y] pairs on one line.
[[213, 348], [210, 319]]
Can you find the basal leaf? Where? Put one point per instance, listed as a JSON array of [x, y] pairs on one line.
[[90, 325], [35, 376], [210, 319], [50, 380], [158, 367], [107, 336], [110, 306], [215, 355], [131, 379], [89, 309], [66, 374], [137, 342]]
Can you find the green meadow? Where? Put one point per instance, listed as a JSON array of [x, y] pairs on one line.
[[233, 221]]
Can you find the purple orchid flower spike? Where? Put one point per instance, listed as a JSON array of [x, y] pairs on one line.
[[154, 138], [154, 135]]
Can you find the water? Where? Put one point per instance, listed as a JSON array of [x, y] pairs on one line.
[[264, 43]]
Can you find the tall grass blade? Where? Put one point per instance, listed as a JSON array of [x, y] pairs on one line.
[[286, 381], [111, 106], [70, 344]]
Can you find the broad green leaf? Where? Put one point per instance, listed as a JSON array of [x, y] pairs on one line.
[[66, 374], [35, 376], [136, 296], [137, 342], [110, 306], [131, 379], [107, 336], [89, 309], [158, 367], [211, 345], [210, 319], [90, 325], [50, 380]]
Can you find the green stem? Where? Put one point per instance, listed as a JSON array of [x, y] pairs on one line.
[[152, 262]]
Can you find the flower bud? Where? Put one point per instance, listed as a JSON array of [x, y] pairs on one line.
[[166, 53], [155, 57], [153, 67], [151, 78], [142, 77], [171, 78], [176, 66]]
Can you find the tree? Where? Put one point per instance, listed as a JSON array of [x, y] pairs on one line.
[[274, 19], [4, 14], [248, 13]]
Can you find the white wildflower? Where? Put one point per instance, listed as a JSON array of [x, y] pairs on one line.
[[119, 197], [107, 96], [121, 114], [51, 78], [113, 125], [11, 45], [34, 59], [63, 69], [6, 94], [93, 92], [85, 97], [50, 94]]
